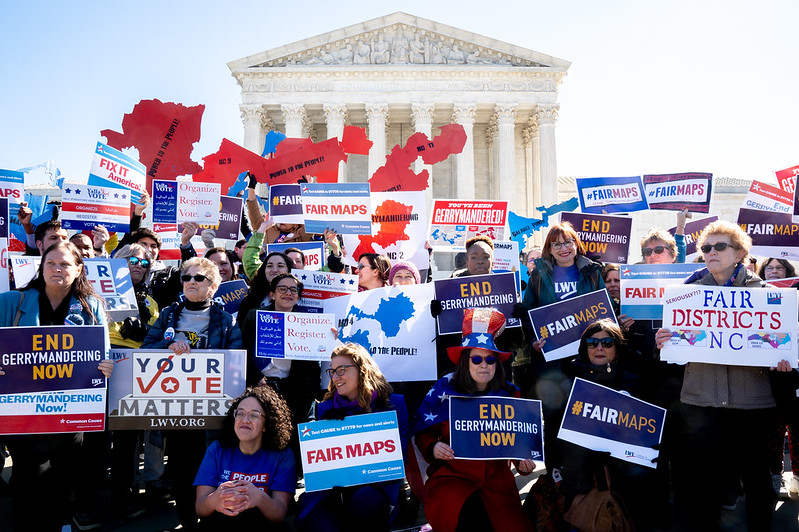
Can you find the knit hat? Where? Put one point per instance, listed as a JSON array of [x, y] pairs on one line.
[[480, 327], [403, 265]]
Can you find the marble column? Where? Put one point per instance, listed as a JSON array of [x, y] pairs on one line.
[[492, 135], [506, 124], [335, 115], [463, 114], [422, 115], [376, 116], [294, 116], [547, 116], [251, 116]]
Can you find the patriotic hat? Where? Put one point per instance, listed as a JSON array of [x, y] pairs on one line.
[[480, 327]]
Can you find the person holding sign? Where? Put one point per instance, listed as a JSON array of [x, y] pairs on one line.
[[48, 466], [274, 263], [247, 477], [469, 494], [727, 411], [356, 387]]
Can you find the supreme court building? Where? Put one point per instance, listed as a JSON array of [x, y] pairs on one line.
[[400, 74]]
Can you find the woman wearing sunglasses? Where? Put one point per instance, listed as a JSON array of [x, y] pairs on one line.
[[469, 494], [727, 411], [247, 477], [356, 387], [131, 332], [197, 322]]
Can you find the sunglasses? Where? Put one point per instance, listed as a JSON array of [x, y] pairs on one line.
[[477, 360], [607, 343], [133, 261], [198, 277], [657, 250], [720, 246]]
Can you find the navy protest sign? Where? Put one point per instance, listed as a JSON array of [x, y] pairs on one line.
[[52, 383], [561, 324], [484, 428], [692, 232], [285, 204], [604, 195], [496, 290], [774, 234], [602, 419], [606, 238], [675, 192], [231, 294]]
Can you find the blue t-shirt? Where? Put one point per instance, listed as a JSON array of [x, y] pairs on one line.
[[565, 281], [267, 469]]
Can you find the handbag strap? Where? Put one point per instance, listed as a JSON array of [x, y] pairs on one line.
[[19, 309]]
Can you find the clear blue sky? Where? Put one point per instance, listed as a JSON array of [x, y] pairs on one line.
[[654, 87]]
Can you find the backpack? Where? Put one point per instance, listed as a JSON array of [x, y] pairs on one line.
[[599, 511]]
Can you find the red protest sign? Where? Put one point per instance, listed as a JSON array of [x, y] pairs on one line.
[[786, 178]]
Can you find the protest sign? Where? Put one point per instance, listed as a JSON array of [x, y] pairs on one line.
[[675, 192], [765, 197], [453, 222], [774, 234], [314, 253], [522, 229], [351, 451], [497, 290], [229, 219], [605, 195], [788, 282], [691, 233], [606, 238], [399, 230], [319, 286], [602, 419], [184, 201], [493, 428], [230, 294], [561, 324], [12, 188], [155, 389], [294, 335], [285, 204], [395, 325], [642, 287], [112, 168], [52, 383], [110, 279], [506, 259], [733, 326], [292, 166], [4, 233], [786, 179], [171, 239], [342, 207], [86, 206]]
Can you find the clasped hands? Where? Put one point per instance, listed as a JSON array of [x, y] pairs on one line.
[[235, 496]]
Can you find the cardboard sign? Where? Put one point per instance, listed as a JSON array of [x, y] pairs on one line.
[[562, 324], [732, 326], [229, 219], [606, 195], [171, 239], [506, 259], [184, 201], [112, 168], [85, 206], [774, 234], [314, 253], [156, 389], [786, 178], [52, 383], [294, 335], [643, 285], [12, 188], [765, 197], [606, 238], [319, 286], [602, 419], [285, 204], [494, 428], [497, 290], [675, 192], [692, 232], [395, 325], [342, 207], [352, 451], [453, 222]]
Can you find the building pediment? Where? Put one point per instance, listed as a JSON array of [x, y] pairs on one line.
[[398, 40]]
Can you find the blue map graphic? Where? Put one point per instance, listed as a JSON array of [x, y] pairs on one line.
[[437, 234], [391, 313]]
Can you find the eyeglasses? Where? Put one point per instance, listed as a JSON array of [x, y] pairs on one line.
[[779, 268], [198, 277], [657, 250], [719, 246], [252, 415], [282, 289], [339, 370], [477, 360], [133, 261], [607, 343], [568, 243]]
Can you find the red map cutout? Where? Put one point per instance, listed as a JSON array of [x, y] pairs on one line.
[[164, 134], [227, 163], [397, 175], [393, 218], [355, 141], [317, 158]]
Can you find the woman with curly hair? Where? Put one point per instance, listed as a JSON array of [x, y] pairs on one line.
[[247, 477], [356, 387]]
